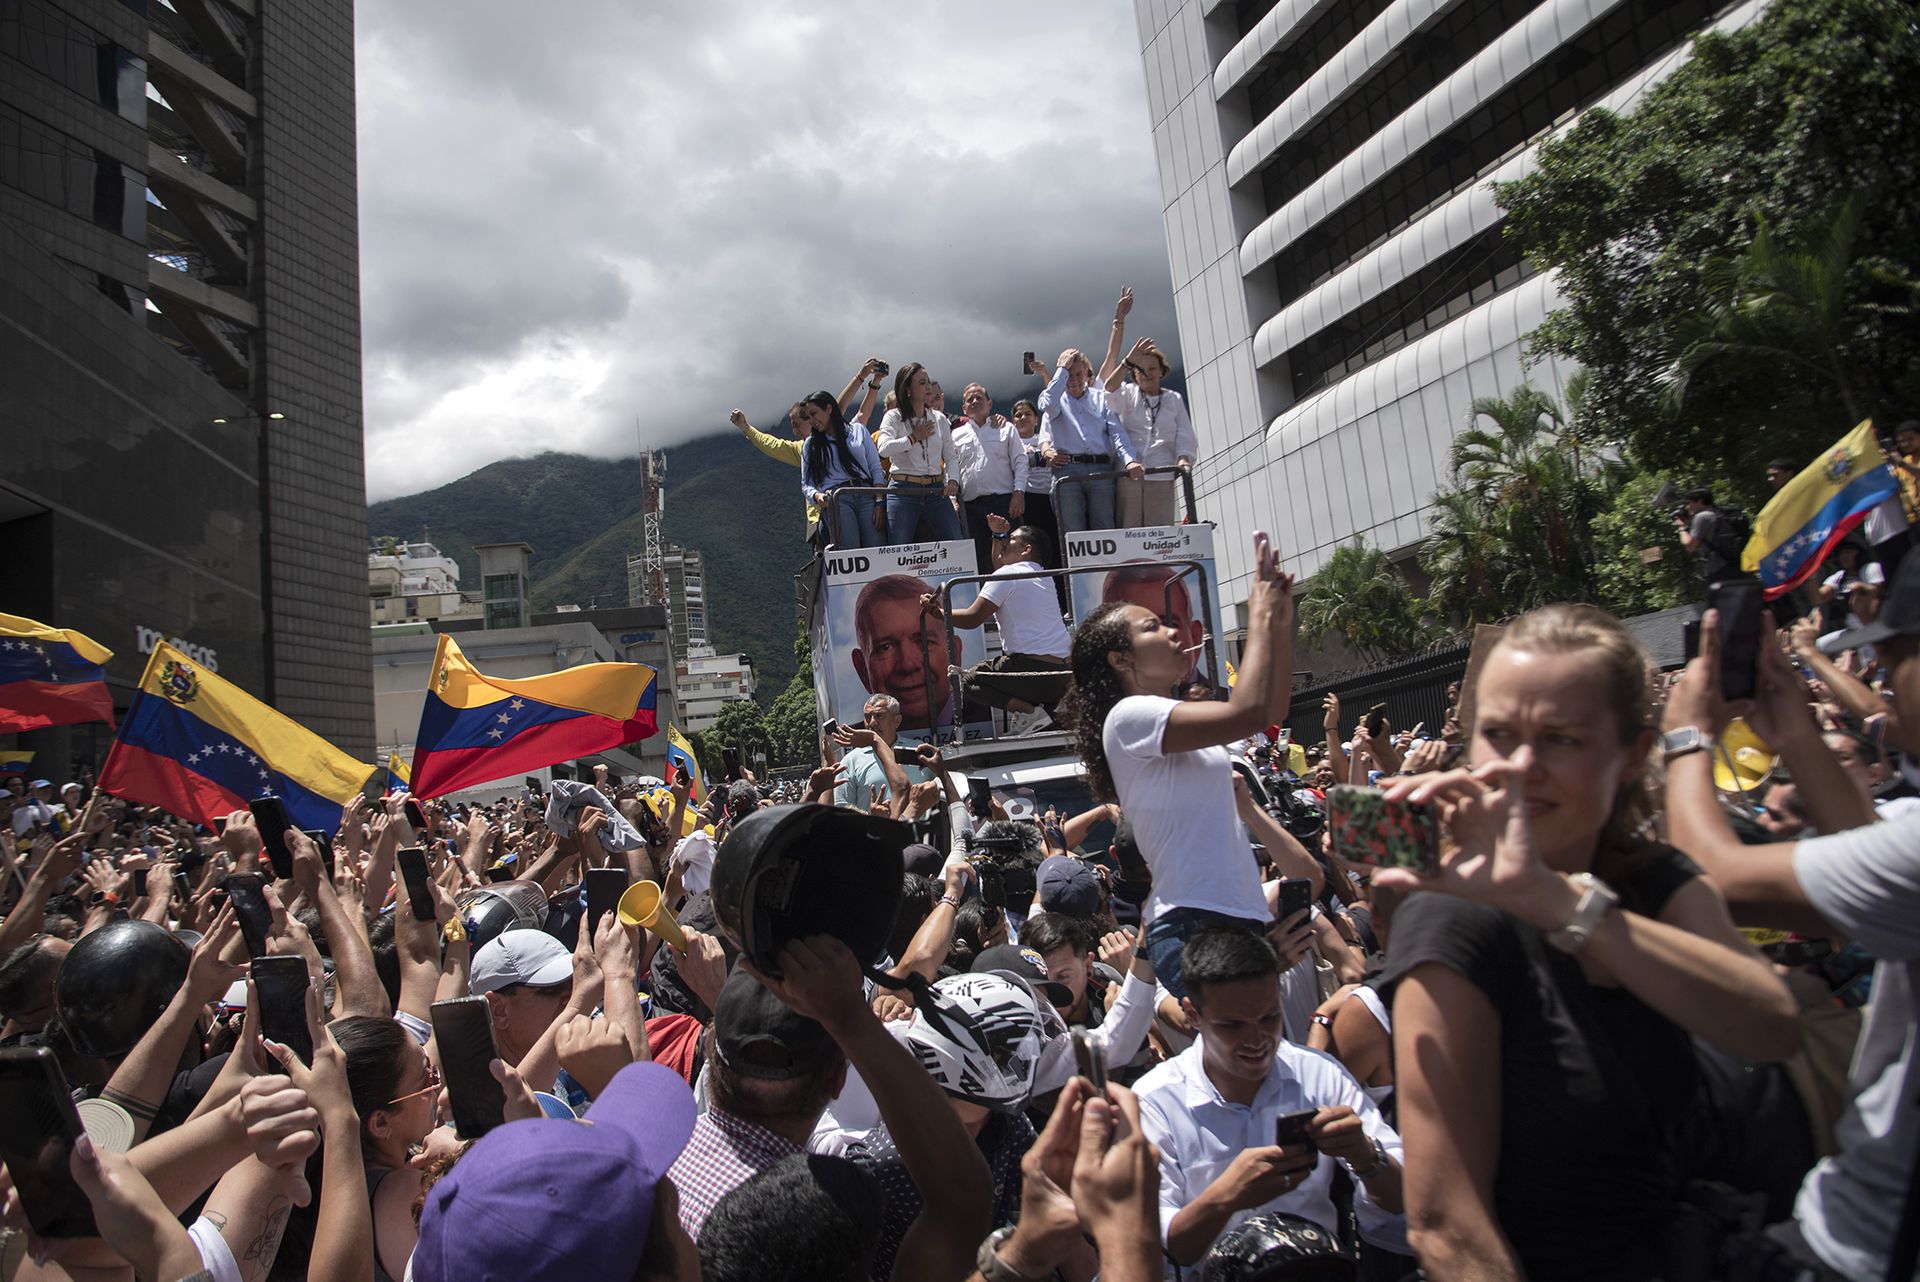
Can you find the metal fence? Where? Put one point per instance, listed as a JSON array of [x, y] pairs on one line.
[[1414, 690]]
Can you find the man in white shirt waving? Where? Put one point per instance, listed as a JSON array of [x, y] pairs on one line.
[[1031, 672], [1217, 1108]]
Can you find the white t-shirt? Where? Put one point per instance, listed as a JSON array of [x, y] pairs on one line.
[[1183, 815], [1028, 612], [695, 853], [1866, 882], [1868, 573]]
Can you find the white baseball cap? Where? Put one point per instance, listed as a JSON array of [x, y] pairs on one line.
[[522, 956]]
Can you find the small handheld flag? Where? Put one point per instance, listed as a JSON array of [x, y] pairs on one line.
[[399, 776], [680, 760], [475, 728], [202, 747], [51, 676], [1817, 509]]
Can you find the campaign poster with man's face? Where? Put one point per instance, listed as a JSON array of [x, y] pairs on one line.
[[880, 641], [1139, 574]]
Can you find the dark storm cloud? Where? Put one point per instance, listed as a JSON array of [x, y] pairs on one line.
[[623, 213]]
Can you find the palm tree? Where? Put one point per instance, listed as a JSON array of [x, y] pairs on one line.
[[1360, 595], [1779, 309], [1514, 531]]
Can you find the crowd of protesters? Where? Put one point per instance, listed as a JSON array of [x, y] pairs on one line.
[[1552, 1056], [1650, 1013]]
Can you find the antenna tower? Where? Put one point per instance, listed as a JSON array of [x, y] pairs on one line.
[[653, 503]]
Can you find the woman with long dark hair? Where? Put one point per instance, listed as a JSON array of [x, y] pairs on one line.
[[1166, 762], [916, 439], [837, 456]]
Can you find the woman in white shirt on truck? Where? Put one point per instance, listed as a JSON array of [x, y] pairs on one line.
[[1166, 761]]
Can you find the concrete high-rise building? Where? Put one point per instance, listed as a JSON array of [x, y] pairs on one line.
[[1341, 281], [686, 600], [180, 397]]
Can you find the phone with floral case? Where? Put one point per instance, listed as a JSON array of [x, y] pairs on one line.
[[1367, 828]]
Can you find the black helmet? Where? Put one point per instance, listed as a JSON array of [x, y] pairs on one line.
[[114, 985], [1277, 1247], [791, 871]]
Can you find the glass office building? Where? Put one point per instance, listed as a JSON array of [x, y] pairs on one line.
[[1341, 283], [180, 401]]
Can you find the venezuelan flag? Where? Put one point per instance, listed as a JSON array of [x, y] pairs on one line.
[[50, 676], [14, 761], [399, 777], [202, 747], [1814, 511], [680, 758], [475, 728]]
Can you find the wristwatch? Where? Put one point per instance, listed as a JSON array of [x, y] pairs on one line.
[[1678, 743], [1597, 899], [989, 1263], [1371, 1168]]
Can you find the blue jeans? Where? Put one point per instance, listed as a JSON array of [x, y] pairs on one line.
[[851, 525], [1167, 940], [907, 504], [1080, 504]]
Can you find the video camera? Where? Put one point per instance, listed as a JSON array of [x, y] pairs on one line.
[[999, 848]]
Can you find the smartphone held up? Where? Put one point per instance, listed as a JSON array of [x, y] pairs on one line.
[[1366, 827]]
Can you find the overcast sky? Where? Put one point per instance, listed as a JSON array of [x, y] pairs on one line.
[[606, 222]]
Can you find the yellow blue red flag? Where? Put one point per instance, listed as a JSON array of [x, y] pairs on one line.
[[475, 728], [202, 747], [1813, 512], [14, 761], [399, 777], [51, 676], [680, 759]]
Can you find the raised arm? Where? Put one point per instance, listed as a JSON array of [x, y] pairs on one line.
[[1289, 857], [1259, 697], [1110, 365], [1074, 830], [140, 1084], [1336, 746], [866, 371], [1853, 694], [897, 781], [1758, 881], [821, 980]]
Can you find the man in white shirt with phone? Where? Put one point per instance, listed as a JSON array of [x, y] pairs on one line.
[[1030, 675]]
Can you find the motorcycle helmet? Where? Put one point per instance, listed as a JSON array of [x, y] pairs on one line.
[[791, 871], [992, 1041], [487, 911], [115, 983], [1277, 1247]]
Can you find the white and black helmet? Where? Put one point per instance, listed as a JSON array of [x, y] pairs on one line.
[[991, 1041]]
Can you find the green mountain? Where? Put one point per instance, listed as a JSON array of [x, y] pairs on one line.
[[581, 515]]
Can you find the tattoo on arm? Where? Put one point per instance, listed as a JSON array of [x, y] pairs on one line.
[[258, 1257]]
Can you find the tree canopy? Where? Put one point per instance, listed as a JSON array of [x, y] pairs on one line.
[[1711, 213]]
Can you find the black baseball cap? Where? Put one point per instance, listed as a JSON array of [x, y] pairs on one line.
[[755, 1034], [1899, 613], [1024, 964]]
